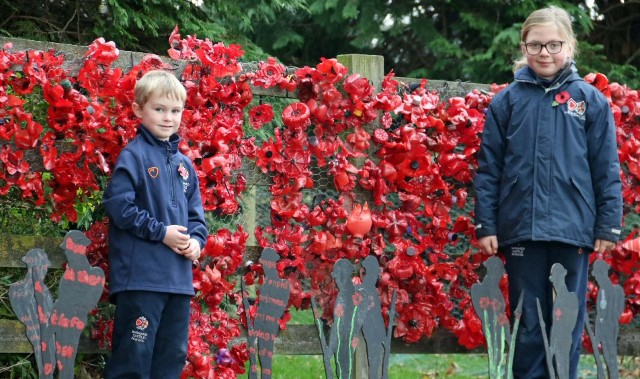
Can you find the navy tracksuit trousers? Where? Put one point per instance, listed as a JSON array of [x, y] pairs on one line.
[[150, 335], [528, 266]]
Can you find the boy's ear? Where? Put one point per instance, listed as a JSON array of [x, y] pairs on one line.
[[137, 110]]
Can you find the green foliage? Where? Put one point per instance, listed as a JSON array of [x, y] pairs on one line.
[[444, 39]]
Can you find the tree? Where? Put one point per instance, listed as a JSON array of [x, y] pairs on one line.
[[450, 39], [140, 25], [442, 39]]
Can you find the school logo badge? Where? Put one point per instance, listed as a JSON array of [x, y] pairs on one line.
[[576, 108], [138, 334], [153, 172], [142, 323]]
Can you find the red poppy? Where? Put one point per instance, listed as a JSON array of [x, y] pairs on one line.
[[269, 73], [561, 98], [332, 71], [296, 115], [260, 115]]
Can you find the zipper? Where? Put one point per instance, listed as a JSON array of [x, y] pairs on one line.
[[172, 191]]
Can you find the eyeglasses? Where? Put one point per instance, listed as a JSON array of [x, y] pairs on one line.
[[535, 48]]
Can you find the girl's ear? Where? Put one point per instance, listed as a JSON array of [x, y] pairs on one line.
[[523, 50]]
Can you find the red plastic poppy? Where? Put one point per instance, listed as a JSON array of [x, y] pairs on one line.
[[561, 98], [296, 115], [260, 115]]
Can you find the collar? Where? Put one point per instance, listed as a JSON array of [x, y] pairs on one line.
[[171, 144], [568, 73]]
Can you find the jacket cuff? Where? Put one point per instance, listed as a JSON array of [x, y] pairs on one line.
[[483, 231], [608, 234]]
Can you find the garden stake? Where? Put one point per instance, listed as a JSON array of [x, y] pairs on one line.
[[250, 339], [594, 346], [552, 373], [387, 346], [326, 354], [514, 333]]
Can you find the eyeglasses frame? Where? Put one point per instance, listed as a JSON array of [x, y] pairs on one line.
[[543, 45]]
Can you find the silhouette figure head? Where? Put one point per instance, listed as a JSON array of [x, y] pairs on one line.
[[342, 272], [558, 273], [268, 260], [372, 269], [600, 270], [494, 267]]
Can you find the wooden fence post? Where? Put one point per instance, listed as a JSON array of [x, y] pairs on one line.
[[372, 68]]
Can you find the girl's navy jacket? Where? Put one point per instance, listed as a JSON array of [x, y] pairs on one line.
[[548, 166]]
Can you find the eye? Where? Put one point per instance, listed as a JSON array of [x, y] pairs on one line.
[[177, 111], [535, 45], [554, 45]]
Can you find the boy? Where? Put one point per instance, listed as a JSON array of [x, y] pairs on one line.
[[157, 229]]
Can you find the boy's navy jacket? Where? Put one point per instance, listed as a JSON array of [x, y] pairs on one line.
[[153, 186], [548, 170]]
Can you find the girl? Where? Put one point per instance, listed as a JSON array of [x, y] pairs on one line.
[[548, 181]]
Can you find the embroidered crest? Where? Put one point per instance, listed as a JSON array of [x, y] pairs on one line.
[[576, 107], [153, 172], [142, 323], [184, 176], [138, 334]]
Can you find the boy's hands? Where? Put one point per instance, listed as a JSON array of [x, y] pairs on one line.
[[180, 242], [192, 251]]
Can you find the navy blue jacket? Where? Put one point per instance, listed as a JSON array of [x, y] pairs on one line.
[[153, 186], [549, 172]]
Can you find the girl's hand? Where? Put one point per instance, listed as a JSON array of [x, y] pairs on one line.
[[488, 245], [603, 246]]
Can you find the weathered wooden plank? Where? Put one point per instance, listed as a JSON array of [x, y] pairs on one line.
[[304, 340], [13, 248]]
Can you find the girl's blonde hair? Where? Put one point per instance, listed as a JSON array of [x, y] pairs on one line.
[[159, 82], [551, 16]]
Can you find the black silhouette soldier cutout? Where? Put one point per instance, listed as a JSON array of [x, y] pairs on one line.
[[32, 303], [564, 317], [489, 305], [273, 299], [373, 328], [609, 308], [347, 318], [78, 292]]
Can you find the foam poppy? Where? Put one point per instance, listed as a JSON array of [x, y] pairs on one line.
[[296, 115], [560, 98]]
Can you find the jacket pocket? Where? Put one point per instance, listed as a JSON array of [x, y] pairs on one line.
[[588, 200], [506, 188]]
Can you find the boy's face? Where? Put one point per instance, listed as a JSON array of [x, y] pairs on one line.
[[161, 115]]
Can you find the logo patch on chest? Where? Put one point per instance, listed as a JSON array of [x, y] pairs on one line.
[[153, 172], [576, 108]]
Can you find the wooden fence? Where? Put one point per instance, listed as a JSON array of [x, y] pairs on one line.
[[297, 339]]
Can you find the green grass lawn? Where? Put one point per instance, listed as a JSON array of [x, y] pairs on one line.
[[422, 366], [429, 366]]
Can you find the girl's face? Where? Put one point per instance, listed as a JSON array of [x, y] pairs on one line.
[[544, 38], [161, 115]]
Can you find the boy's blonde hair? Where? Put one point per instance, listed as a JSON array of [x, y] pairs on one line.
[[551, 16], [159, 82]]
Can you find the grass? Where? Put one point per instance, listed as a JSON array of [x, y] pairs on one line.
[[423, 366], [431, 366]]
